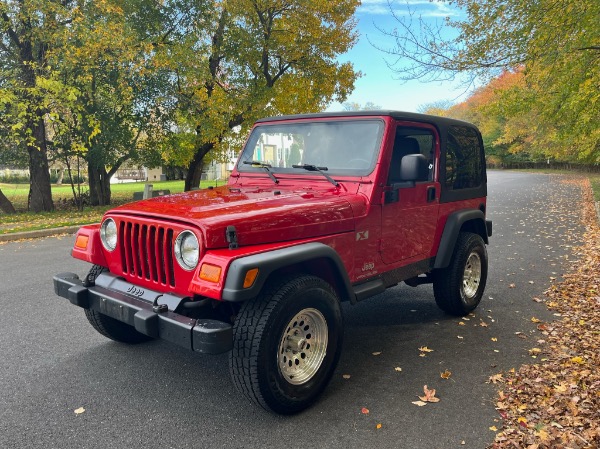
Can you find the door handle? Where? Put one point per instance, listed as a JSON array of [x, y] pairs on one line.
[[430, 194]]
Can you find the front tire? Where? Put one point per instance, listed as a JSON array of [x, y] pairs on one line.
[[286, 344], [458, 288], [114, 329]]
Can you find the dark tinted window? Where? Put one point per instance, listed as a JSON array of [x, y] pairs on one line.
[[464, 162]]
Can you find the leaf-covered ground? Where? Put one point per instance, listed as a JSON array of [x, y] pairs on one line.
[[556, 404]]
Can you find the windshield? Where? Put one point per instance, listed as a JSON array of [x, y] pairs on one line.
[[348, 147]]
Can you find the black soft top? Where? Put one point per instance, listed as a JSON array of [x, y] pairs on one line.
[[441, 122]]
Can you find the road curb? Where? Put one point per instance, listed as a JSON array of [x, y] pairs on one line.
[[38, 234]]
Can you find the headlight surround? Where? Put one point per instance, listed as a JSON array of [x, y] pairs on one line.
[[108, 234], [187, 250]]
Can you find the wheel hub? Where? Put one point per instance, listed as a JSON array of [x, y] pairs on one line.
[[303, 346], [472, 275]]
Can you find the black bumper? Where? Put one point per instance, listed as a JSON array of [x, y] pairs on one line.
[[202, 335]]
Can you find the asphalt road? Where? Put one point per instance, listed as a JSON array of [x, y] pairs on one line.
[[159, 396]]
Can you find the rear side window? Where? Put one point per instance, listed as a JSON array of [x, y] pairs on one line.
[[464, 161]]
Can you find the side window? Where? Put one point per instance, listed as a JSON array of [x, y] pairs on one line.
[[411, 141], [464, 166]]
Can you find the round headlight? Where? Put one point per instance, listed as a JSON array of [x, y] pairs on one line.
[[108, 234], [187, 250]]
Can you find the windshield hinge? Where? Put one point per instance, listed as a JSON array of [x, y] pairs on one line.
[[231, 236]]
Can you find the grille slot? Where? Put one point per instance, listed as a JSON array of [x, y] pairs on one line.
[[147, 252]]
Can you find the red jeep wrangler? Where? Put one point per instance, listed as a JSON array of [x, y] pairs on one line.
[[320, 209]]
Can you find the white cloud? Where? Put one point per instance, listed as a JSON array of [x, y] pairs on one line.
[[423, 8]]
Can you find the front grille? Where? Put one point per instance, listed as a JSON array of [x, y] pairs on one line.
[[147, 252]]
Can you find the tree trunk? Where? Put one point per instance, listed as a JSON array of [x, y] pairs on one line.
[[6, 205], [40, 192], [99, 186], [194, 173], [61, 175]]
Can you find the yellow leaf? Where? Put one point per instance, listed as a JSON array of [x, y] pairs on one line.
[[398, 369], [425, 349], [535, 320], [494, 339], [577, 360], [494, 429], [378, 426]]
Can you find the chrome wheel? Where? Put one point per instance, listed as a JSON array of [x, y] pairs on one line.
[[472, 275], [303, 346]]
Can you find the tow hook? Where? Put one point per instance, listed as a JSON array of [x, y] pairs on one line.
[[159, 308]]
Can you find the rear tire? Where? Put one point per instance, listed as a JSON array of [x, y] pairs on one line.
[[458, 288], [286, 344]]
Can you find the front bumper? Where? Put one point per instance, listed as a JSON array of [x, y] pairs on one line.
[[114, 297]]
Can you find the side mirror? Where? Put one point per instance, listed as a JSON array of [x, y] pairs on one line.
[[414, 168]]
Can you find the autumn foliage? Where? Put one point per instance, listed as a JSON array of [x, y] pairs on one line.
[[556, 404]]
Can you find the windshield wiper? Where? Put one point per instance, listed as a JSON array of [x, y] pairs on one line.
[[310, 167], [265, 166]]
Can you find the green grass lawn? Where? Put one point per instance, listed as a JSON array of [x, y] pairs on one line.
[[66, 215], [595, 181]]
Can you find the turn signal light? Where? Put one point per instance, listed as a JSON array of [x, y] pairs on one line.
[[81, 241], [210, 273], [250, 277]]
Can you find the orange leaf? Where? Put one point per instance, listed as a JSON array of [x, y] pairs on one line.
[[364, 411], [429, 395]]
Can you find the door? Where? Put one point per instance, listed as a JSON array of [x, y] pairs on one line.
[[410, 212]]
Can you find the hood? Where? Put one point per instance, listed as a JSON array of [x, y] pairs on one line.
[[259, 215]]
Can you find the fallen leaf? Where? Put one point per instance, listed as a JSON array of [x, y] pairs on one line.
[[398, 369], [419, 403], [483, 324], [494, 429], [79, 411], [445, 375], [377, 353], [429, 395], [378, 426], [346, 376], [460, 323], [535, 320], [494, 339], [511, 285], [460, 337], [425, 349], [364, 411], [495, 378]]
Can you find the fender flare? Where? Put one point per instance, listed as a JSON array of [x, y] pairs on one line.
[[452, 229], [270, 261]]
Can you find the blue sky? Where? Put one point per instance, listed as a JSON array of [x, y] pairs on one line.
[[378, 83]]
